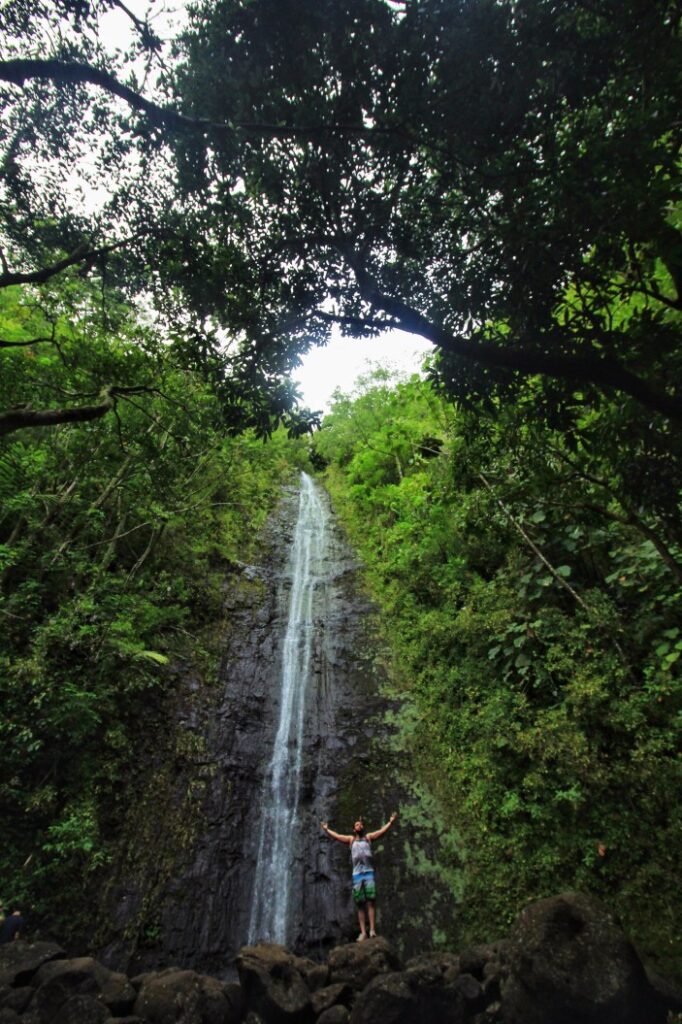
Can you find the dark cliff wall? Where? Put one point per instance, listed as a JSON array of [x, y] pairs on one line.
[[181, 890]]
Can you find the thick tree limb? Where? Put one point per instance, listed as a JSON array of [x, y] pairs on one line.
[[19, 70], [80, 254], [606, 373], [23, 344], [24, 417]]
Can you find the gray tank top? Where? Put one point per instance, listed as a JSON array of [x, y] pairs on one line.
[[361, 853]]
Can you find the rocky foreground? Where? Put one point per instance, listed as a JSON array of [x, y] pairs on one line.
[[566, 961]]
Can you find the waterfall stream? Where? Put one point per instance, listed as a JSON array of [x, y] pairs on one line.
[[269, 919]]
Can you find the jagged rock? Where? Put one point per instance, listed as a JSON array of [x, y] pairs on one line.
[[8, 1016], [570, 963], [408, 998], [83, 1010], [175, 995], [491, 1014], [359, 962], [16, 999], [668, 992], [444, 961], [315, 975], [138, 981], [485, 960], [327, 997], [20, 960], [318, 977], [334, 1015], [471, 991], [59, 980], [234, 995], [273, 985]]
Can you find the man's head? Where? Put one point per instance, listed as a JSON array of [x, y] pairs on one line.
[[359, 827]]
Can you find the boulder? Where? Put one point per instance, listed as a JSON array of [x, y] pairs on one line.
[[484, 960], [59, 980], [669, 993], [432, 968], [19, 960], [359, 962], [334, 1015], [174, 995], [83, 1010], [417, 996], [232, 991], [570, 963], [272, 984], [315, 975], [8, 1016], [16, 999], [331, 995]]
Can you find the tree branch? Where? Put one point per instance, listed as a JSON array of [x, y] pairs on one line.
[[605, 373], [550, 568], [24, 417], [23, 344], [80, 254], [359, 322], [20, 70]]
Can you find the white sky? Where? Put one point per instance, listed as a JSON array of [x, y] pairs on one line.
[[343, 360]]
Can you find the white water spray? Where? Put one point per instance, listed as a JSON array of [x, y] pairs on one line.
[[281, 789]]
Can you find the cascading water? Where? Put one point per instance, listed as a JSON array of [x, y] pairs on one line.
[[300, 671], [270, 915]]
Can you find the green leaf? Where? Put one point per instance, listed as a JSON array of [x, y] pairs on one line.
[[160, 659]]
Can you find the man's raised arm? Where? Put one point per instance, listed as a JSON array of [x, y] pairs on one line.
[[378, 834], [335, 835]]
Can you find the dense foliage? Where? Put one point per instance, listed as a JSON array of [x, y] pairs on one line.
[[496, 176], [116, 538], [499, 176], [532, 606]]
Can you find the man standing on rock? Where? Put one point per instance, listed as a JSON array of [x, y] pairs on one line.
[[364, 887]]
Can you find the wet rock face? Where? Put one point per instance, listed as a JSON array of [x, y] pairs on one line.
[[203, 910]]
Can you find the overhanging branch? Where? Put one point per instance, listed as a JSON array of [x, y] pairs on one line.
[[24, 417], [18, 71], [81, 254], [605, 373]]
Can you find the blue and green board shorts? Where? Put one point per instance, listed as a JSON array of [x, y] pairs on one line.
[[363, 886]]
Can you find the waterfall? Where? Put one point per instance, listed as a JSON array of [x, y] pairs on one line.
[[281, 789]]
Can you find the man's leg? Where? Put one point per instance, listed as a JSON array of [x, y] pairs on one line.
[[362, 922], [370, 910]]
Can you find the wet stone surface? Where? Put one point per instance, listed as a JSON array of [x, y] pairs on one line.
[[348, 769]]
